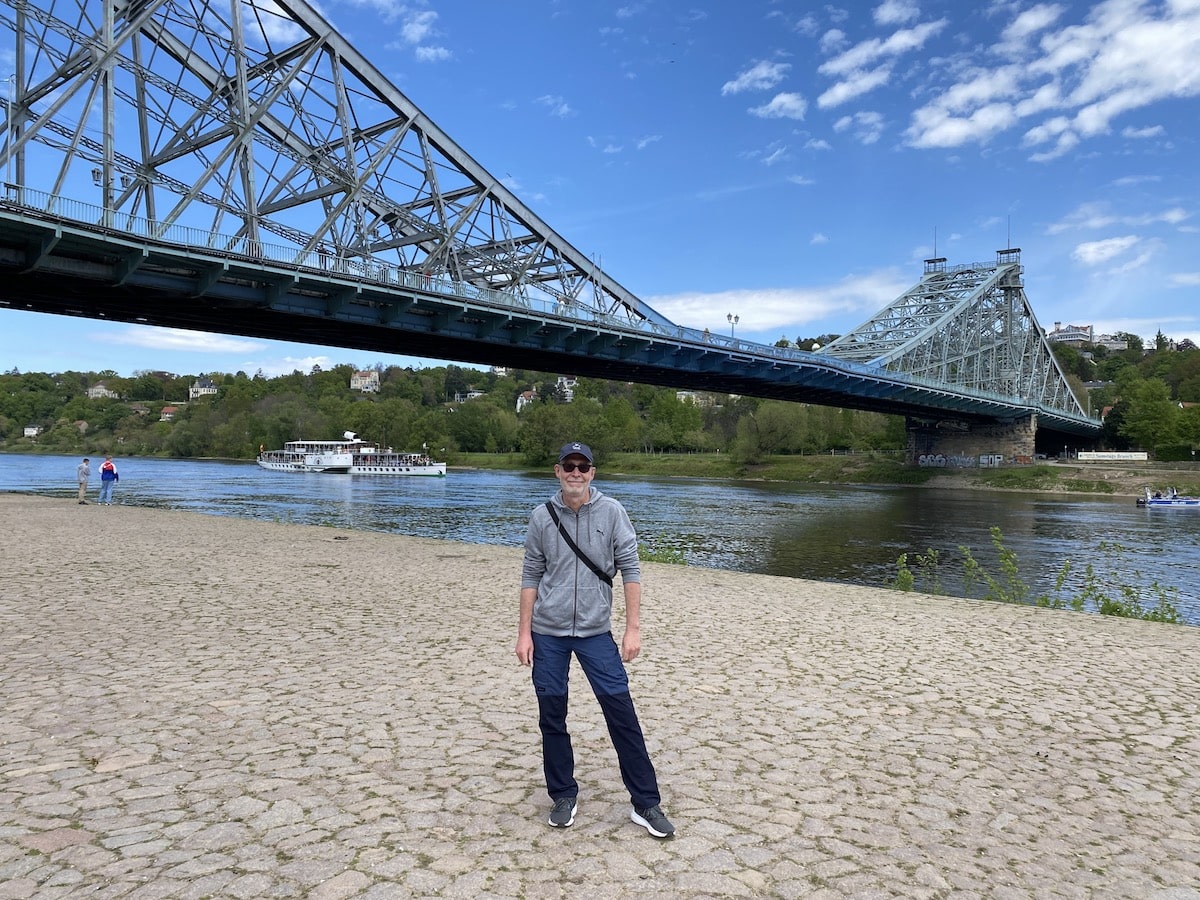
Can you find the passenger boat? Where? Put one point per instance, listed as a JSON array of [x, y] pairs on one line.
[[350, 456], [1170, 498]]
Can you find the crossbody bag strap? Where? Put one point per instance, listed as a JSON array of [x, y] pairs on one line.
[[600, 573]]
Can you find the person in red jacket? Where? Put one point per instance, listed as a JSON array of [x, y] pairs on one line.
[[108, 477]]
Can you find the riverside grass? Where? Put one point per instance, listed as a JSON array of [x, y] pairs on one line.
[[1110, 589]]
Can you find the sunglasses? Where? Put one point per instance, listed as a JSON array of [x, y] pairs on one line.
[[571, 467]]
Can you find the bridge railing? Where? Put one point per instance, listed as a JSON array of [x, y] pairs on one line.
[[54, 207]]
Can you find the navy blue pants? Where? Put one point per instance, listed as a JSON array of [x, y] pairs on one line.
[[601, 663]]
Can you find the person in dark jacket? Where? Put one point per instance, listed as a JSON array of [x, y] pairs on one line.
[[566, 607]]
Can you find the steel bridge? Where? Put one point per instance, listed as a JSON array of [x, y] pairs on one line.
[[240, 168]]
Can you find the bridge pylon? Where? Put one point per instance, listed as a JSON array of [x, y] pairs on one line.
[[971, 327]]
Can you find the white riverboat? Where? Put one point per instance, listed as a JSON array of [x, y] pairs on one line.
[[351, 456]]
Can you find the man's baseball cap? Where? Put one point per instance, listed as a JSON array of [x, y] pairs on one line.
[[575, 449]]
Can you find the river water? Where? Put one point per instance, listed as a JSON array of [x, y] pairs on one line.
[[850, 534]]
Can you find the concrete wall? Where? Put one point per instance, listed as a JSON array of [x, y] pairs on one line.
[[961, 444]]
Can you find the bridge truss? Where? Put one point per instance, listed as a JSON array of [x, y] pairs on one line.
[[970, 326], [259, 122], [237, 166]]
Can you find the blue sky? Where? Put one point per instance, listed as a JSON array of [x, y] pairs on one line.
[[789, 164]]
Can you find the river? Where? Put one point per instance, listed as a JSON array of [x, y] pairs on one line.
[[850, 534]]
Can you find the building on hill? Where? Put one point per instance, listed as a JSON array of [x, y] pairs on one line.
[[566, 386], [1079, 335], [100, 391], [366, 382], [201, 387]]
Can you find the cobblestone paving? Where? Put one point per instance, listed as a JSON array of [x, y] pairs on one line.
[[196, 706]]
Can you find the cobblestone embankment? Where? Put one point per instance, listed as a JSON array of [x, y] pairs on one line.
[[197, 706]]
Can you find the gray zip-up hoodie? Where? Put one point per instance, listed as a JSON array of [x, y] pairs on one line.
[[572, 601]]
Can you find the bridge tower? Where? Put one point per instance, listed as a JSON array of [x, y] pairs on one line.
[[968, 326]]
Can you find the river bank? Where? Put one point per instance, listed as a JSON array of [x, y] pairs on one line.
[[197, 705]]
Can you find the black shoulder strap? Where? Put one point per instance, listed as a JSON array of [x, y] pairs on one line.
[[600, 573]]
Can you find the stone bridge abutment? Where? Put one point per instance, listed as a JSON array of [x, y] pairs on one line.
[[957, 444]]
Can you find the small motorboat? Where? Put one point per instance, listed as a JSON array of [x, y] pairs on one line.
[[1169, 497]]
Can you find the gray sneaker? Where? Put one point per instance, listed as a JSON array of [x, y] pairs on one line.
[[563, 814], [652, 819]]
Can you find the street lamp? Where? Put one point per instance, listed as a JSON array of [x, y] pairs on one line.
[[732, 320]]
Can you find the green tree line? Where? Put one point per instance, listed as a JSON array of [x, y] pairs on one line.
[[1145, 393], [415, 408]]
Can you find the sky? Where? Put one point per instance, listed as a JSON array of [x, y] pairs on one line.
[[788, 164]]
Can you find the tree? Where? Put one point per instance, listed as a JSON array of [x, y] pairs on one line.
[[1151, 418]]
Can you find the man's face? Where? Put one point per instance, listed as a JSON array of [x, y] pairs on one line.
[[577, 481]]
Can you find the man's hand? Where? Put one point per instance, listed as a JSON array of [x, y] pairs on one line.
[[631, 644], [525, 649]]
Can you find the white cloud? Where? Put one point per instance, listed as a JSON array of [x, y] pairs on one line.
[[802, 180], [557, 105], [778, 154], [868, 52], [418, 26], [819, 238], [643, 143], [807, 26], [1014, 38], [1149, 131], [868, 65], [868, 126], [774, 308], [1185, 279], [762, 76], [1125, 55], [855, 85], [1096, 215], [432, 54], [832, 41], [180, 339], [1094, 253], [896, 12], [1132, 180], [782, 106]]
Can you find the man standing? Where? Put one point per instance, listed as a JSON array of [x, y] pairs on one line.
[[83, 472], [108, 477], [575, 543]]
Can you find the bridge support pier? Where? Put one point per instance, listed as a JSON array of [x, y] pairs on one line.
[[968, 445]]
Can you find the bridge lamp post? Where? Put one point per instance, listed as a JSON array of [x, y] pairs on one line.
[[732, 320], [8, 124]]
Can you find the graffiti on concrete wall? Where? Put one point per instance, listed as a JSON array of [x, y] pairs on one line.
[[944, 461]]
